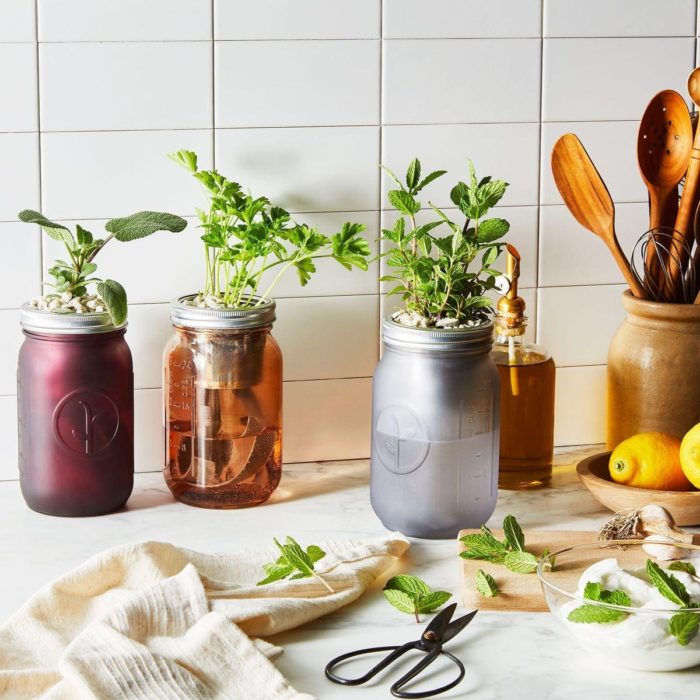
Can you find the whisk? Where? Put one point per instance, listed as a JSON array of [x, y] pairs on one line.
[[654, 255]]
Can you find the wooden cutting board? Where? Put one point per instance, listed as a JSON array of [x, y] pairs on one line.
[[520, 592]]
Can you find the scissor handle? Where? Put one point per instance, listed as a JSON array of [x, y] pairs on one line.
[[396, 652], [420, 666]]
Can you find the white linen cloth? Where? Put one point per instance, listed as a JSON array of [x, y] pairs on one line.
[[151, 621]]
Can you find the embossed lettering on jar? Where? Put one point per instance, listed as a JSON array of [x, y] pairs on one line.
[[223, 406], [435, 415], [75, 408]]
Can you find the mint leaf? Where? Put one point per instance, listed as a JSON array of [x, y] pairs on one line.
[[429, 603], [667, 584], [429, 178], [594, 613], [592, 591], [491, 230], [404, 202], [513, 533], [294, 562], [616, 598], [486, 585], [483, 545], [683, 566], [401, 600], [413, 174], [408, 584], [684, 626], [412, 595], [521, 562]]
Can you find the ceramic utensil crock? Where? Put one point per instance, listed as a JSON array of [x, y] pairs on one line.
[[653, 376], [435, 417], [75, 396], [223, 406]]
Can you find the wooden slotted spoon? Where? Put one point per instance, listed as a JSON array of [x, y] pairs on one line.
[[588, 199], [664, 143]]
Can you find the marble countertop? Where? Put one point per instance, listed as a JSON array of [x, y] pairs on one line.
[[507, 655]]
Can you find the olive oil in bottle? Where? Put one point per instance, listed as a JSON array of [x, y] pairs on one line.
[[527, 375]]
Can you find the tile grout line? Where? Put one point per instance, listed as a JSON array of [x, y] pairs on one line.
[[213, 84], [539, 179], [379, 184], [40, 145]]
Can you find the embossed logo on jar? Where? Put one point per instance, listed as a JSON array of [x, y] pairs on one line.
[[86, 422], [402, 442]]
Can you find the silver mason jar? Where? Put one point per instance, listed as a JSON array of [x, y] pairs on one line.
[[435, 418]]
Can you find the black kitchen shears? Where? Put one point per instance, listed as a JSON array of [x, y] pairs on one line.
[[440, 630]]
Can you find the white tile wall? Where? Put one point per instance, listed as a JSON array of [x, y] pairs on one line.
[[301, 101]]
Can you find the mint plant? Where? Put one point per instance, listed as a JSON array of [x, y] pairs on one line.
[[245, 237], [443, 280], [72, 277]]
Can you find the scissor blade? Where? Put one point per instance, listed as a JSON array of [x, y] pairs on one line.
[[440, 622], [456, 626]]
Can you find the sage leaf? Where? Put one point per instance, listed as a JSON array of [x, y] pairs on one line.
[[486, 585], [513, 533], [114, 297], [53, 230], [520, 562], [667, 584], [144, 223], [684, 626]]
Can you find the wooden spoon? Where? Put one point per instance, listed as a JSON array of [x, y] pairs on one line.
[[664, 142], [689, 201], [587, 198]]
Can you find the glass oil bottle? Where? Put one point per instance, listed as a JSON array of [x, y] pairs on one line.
[[527, 375]]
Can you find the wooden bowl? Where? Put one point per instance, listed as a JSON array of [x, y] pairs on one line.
[[593, 471]]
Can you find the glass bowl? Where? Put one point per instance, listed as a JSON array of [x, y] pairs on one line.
[[634, 637]]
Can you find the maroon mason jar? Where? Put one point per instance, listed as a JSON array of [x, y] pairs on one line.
[[75, 400]]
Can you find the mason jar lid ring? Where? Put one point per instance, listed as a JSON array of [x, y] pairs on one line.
[[205, 318], [68, 323]]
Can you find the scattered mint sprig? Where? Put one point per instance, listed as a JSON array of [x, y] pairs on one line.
[[595, 613], [294, 563], [486, 584], [411, 595], [512, 553], [684, 625]]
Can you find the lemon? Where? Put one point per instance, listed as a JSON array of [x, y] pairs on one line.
[[690, 455], [649, 461]]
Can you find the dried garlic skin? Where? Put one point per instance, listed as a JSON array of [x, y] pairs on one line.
[[650, 520]]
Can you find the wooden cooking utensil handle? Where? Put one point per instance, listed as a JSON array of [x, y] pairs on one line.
[[683, 226]]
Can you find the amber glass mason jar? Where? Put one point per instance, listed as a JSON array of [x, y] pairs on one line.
[[75, 401], [223, 406]]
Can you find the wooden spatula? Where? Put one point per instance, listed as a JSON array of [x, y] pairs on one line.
[[588, 199]]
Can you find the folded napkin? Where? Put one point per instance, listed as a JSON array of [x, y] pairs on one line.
[[152, 621]]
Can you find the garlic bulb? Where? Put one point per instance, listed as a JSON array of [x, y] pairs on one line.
[[655, 546], [650, 520]]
